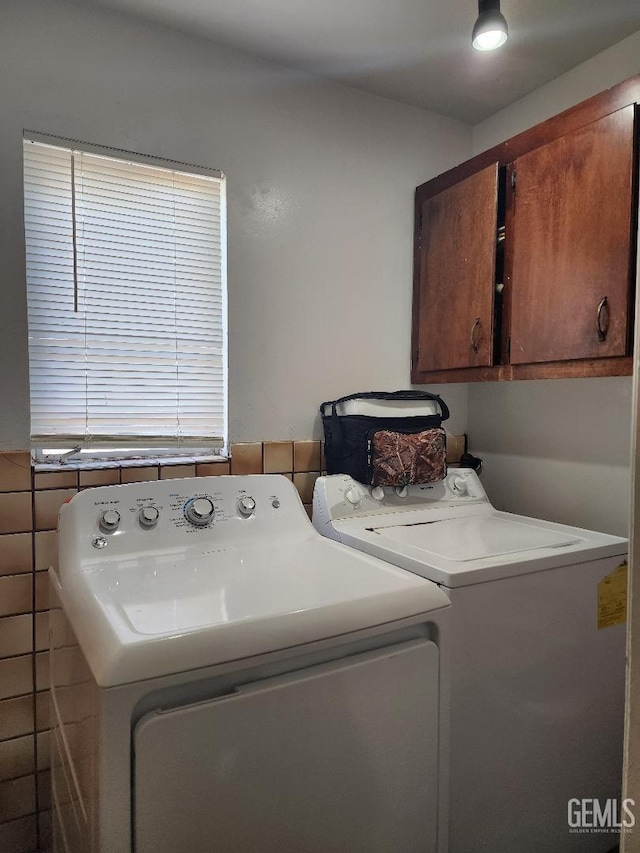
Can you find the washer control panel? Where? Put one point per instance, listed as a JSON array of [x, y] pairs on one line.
[[340, 496], [120, 521]]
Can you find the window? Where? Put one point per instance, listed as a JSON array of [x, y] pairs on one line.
[[127, 302]]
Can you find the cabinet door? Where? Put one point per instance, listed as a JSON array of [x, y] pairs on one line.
[[453, 298], [571, 244]]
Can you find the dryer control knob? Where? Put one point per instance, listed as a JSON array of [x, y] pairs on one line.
[[377, 493], [246, 506], [110, 520], [353, 496], [199, 511], [401, 491], [148, 517], [460, 485]]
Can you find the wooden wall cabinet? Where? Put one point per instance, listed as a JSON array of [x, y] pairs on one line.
[[524, 260], [457, 256]]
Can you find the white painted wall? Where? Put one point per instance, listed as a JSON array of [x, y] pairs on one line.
[[616, 63], [557, 449], [320, 191]]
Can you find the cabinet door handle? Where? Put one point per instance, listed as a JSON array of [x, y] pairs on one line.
[[602, 319], [475, 338]]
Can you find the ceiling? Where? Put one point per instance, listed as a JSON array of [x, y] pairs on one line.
[[415, 51]]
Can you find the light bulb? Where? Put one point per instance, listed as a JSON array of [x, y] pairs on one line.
[[490, 40], [490, 30]]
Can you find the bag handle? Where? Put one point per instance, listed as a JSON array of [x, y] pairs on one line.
[[388, 395], [378, 395]]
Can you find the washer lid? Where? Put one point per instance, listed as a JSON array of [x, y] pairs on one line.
[[477, 537], [475, 544]]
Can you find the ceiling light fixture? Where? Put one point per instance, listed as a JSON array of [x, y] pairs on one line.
[[490, 30]]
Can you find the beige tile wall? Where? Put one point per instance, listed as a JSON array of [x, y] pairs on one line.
[[29, 504], [18, 758]]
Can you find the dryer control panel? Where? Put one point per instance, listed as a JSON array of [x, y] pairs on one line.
[[116, 522], [340, 496]]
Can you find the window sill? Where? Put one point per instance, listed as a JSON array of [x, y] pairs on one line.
[[139, 462]]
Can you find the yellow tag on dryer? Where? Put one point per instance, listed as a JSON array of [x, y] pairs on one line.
[[612, 598]]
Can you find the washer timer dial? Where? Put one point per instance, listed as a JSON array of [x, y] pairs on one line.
[[460, 486], [199, 511]]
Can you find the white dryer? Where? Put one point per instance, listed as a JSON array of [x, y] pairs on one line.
[[537, 653], [225, 679]]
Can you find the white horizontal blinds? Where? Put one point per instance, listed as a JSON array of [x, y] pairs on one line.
[[56, 332], [127, 328]]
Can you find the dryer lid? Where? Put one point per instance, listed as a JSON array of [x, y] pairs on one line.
[[155, 615]]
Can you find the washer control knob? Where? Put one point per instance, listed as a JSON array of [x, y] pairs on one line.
[[377, 493], [353, 496], [401, 491], [199, 511], [246, 506], [110, 520], [460, 485], [148, 517]]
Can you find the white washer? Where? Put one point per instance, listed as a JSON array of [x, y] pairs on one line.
[[537, 688], [224, 678]]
